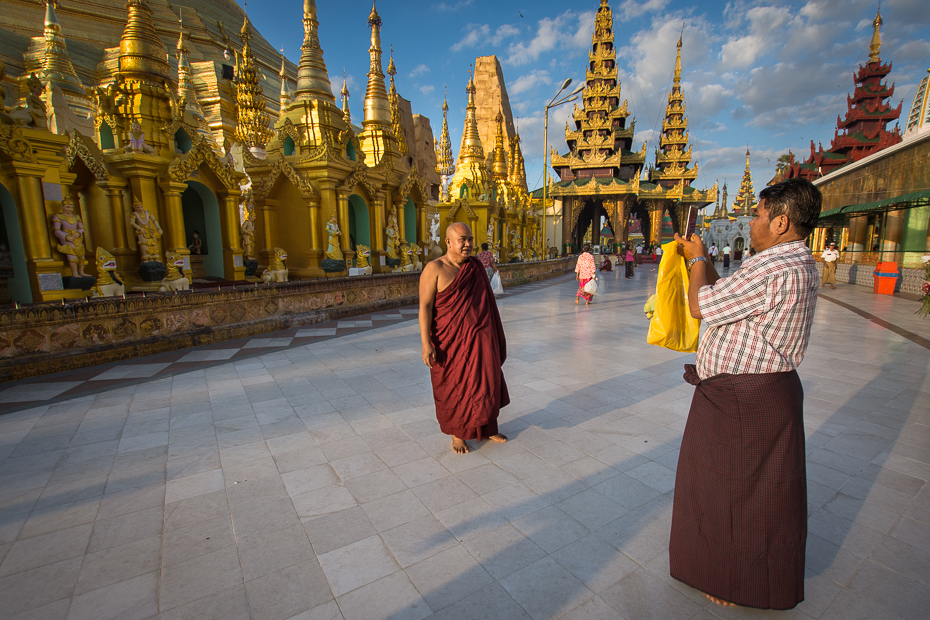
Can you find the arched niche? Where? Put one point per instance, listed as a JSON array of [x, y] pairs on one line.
[[359, 222], [106, 137], [11, 235], [410, 221], [202, 213], [350, 151], [289, 147], [182, 142]]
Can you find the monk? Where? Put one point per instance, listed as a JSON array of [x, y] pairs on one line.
[[463, 342]]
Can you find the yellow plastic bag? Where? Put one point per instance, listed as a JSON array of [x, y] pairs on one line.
[[672, 325]]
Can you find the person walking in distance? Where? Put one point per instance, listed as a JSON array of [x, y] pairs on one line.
[[830, 256], [726, 256], [712, 253], [739, 516], [463, 343]]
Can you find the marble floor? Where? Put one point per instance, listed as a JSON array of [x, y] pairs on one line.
[[311, 481]]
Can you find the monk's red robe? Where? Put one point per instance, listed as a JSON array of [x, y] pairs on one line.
[[468, 383]]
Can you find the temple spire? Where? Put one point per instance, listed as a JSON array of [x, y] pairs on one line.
[[677, 78], [397, 128], [673, 156], [518, 168], [285, 89], [141, 53], [312, 79], [377, 106], [875, 45], [471, 152], [499, 167], [186, 90], [745, 197], [346, 113], [56, 65], [253, 128], [445, 163]]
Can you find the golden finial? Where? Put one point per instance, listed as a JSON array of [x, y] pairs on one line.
[[141, 53], [56, 62], [678, 57], [346, 114], [472, 152], [312, 77], [285, 88], [377, 106], [445, 163], [397, 127], [253, 124], [499, 162], [875, 45], [518, 169]]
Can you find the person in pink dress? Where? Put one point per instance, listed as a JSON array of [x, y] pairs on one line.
[[585, 269]]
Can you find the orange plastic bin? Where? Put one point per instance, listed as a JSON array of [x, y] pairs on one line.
[[884, 278]]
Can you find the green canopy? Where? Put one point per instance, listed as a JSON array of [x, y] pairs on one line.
[[905, 201]]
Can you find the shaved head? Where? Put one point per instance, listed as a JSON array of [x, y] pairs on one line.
[[456, 229]]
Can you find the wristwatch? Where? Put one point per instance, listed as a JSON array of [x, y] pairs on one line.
[[696, 259]]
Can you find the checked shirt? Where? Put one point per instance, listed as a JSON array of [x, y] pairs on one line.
[[759, 319]]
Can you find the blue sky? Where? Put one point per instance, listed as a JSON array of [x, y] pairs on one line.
[[770, 75]]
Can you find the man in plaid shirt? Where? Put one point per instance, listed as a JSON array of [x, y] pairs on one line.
[[739, 521]]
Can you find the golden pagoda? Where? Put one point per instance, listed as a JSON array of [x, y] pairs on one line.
[[445, 164], [745, 197], [253, 127], [396, 127]]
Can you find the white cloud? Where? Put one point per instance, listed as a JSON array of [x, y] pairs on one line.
[[529, 81], [427, 89], [632, 8], [481, 35], [455, 6], [742, 52], [336, 81], [419, 70], [570, 30]]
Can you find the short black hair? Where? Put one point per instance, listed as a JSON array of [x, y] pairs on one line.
[[799, 199], [586, 248], [484, 246]]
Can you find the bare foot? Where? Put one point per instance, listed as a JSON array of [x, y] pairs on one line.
[[498, 438], [576, 300], [459, 446], [720, 601]]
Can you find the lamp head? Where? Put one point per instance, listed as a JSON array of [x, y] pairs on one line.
[[565, 84]]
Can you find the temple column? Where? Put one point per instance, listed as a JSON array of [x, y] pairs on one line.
[[175, 238], [377, 221], [401, 221], [894, 234], [314, 253], [266, 207], [233, 267], [858, 235], [30, 204], [117, 212], [342, 217]]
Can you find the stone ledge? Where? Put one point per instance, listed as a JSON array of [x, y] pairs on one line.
[[47, 338]]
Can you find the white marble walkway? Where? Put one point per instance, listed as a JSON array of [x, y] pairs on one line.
[[313, 482]]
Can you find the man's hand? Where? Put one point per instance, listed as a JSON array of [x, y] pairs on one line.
[[693, 247], [429, 355]]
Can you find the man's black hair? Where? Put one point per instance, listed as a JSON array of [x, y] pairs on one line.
[[799, 199], [484, 246]]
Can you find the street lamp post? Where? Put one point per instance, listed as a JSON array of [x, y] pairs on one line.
[[553, 104]]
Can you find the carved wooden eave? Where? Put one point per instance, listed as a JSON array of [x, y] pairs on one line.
[[263, 186], [81, 148], [15, 146], [182, 167], [289, 130], [461, 203], [594, 188], [359, 176]]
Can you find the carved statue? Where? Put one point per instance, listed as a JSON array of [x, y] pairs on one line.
[[69, 229], [332, 247], [137, 141], [434, 228], [404, 259], [490, 233], [413, 252], [147, 231], [516, 247], [108, 282], [277, 270], [175, 280], [196, 246], [362, 253], [247, 230], [34, 114], [392, 239]]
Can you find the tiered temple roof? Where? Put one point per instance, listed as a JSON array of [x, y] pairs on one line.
[[600, 143], [672, 160], [863, 131], [745, 197]]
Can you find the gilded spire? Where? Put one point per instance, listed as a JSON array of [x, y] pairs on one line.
[[312, 79], [56, 66], [875, 45], [186, 89], [471, 152], [723, 202], [518, 169], [678, 60], [285, 89], [397, 128], [745, 198], [499, 160], [141, 53], [346, 113], [253, 126], [446, 164], [377, 106], [673, 157]]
